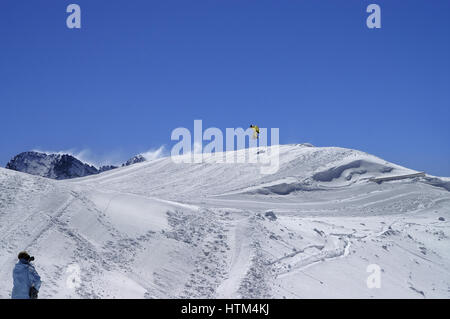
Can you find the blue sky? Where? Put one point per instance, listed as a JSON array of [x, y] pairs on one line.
[[138, 69]]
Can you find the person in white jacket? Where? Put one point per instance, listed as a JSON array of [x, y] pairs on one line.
[[26, 280]]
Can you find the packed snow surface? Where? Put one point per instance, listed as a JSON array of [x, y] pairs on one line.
[[160, 229]]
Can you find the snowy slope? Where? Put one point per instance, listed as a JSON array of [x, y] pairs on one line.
[[164, 230]]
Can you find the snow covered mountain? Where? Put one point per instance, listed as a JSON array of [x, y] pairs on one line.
[[105, 168], [56, 166], [134, 160], [59, 166], [160, 229]]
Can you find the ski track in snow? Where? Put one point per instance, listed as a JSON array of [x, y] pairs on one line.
[[164, 230]]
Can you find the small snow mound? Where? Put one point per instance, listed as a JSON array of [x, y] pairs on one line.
[[305, 145], [390, 232], [270, 215], [349, 170], [284, 186]]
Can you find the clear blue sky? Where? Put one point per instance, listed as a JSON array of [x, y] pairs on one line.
[[138, 69]]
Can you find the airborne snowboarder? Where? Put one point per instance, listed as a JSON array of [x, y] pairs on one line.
[[25, 278], [255, 131]]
